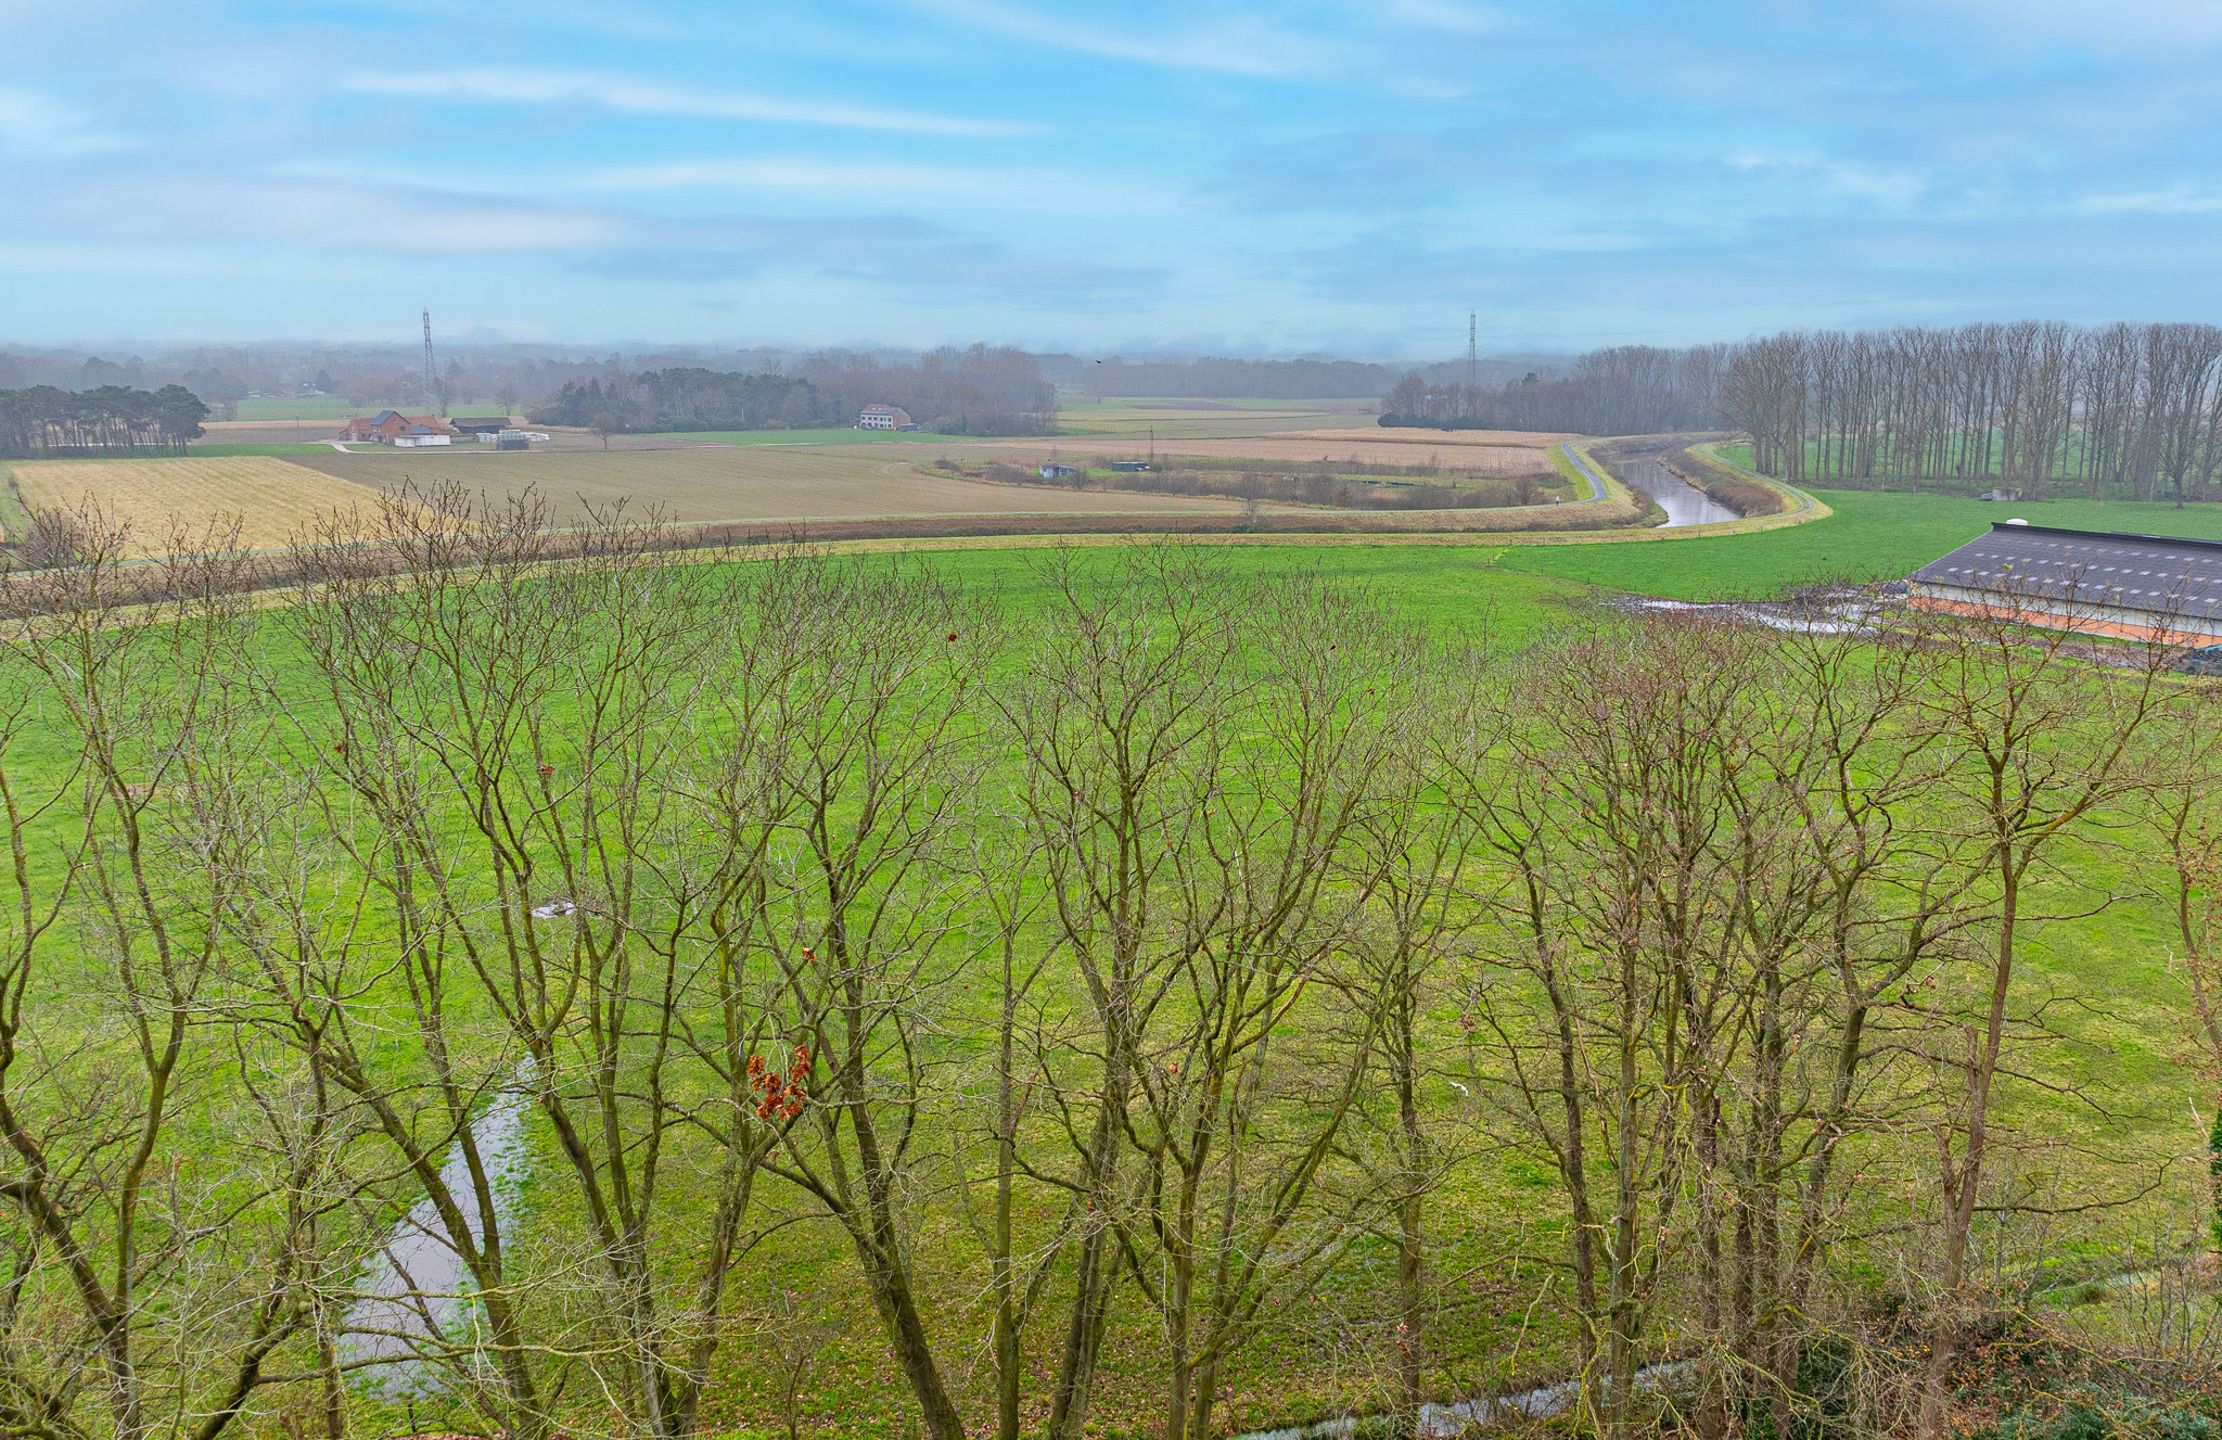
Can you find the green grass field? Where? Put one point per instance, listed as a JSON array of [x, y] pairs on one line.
[[1872, 536], [2120, 1004]]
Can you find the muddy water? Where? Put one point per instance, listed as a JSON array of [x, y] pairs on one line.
[[417, 1287], [1683, 502]]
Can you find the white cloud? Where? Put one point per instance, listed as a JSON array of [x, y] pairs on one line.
[[2105, 25], [2170, 200], [1852, 179], [1034, 191], [36, 124], [1240, 45], [504, 85], [1448, 16]]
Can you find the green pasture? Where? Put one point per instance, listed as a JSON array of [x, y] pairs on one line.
[[1872, 536], [2119, 1016]]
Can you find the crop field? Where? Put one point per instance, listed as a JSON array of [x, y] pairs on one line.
[[270, 499], [709, 483], [1492, 452], [1136, 418], [823, 435]]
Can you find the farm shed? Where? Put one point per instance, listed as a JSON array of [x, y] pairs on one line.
[[2097, 582], [481, 427], [1051, 470]]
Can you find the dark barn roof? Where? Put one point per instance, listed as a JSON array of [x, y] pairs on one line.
[[2164, 574]]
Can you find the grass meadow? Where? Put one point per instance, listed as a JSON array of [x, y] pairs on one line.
[[2120, 1006], [1872, 536]]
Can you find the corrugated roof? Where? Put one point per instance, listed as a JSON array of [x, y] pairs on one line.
[[2165, 574]]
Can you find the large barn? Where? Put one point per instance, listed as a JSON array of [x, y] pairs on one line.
[[2099, 582]]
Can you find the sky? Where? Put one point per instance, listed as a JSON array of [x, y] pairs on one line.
[[1325, 177]]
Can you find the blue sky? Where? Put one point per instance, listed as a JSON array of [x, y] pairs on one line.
[[1335, 177]]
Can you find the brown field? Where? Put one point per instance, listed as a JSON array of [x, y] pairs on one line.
[[270, 500], [705, 484], [1489, 452]]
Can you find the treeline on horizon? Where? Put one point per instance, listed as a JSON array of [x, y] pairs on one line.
[[1215, 377], [512, 377], [983, 390], [1624, 390], [109, 420], [2123, 410], [2117, 409]]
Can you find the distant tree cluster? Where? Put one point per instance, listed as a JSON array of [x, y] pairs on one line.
[[689, 398], [979, 391], [1218, 377], [2131, 410], [109, 420], [1626, 390]]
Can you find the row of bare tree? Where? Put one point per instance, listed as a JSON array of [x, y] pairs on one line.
[[2122, 410], [1104, 981]]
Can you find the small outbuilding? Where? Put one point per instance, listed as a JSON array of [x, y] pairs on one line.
[[1051, 470], [2098, 582]]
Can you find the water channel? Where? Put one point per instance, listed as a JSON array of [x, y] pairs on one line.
[[1683, 502], [415, 1294]]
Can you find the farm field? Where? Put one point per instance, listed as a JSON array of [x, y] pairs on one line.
[[1205, 418], [823, 435], [709, 483], [1494, 452], [271, 499]]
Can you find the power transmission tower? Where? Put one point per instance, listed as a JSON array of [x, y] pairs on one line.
[[1473, 362], [431, 377]]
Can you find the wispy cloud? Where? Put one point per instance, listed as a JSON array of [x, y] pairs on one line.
[[1849, 179], [1447, 16], [319, 217], [33, 123], [2107, 25], [515, 85], [1009, 189], [2168, 200], [1238, 45]]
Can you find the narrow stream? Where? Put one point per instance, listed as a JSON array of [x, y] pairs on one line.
[[416, 1287], [1454, 1418]]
